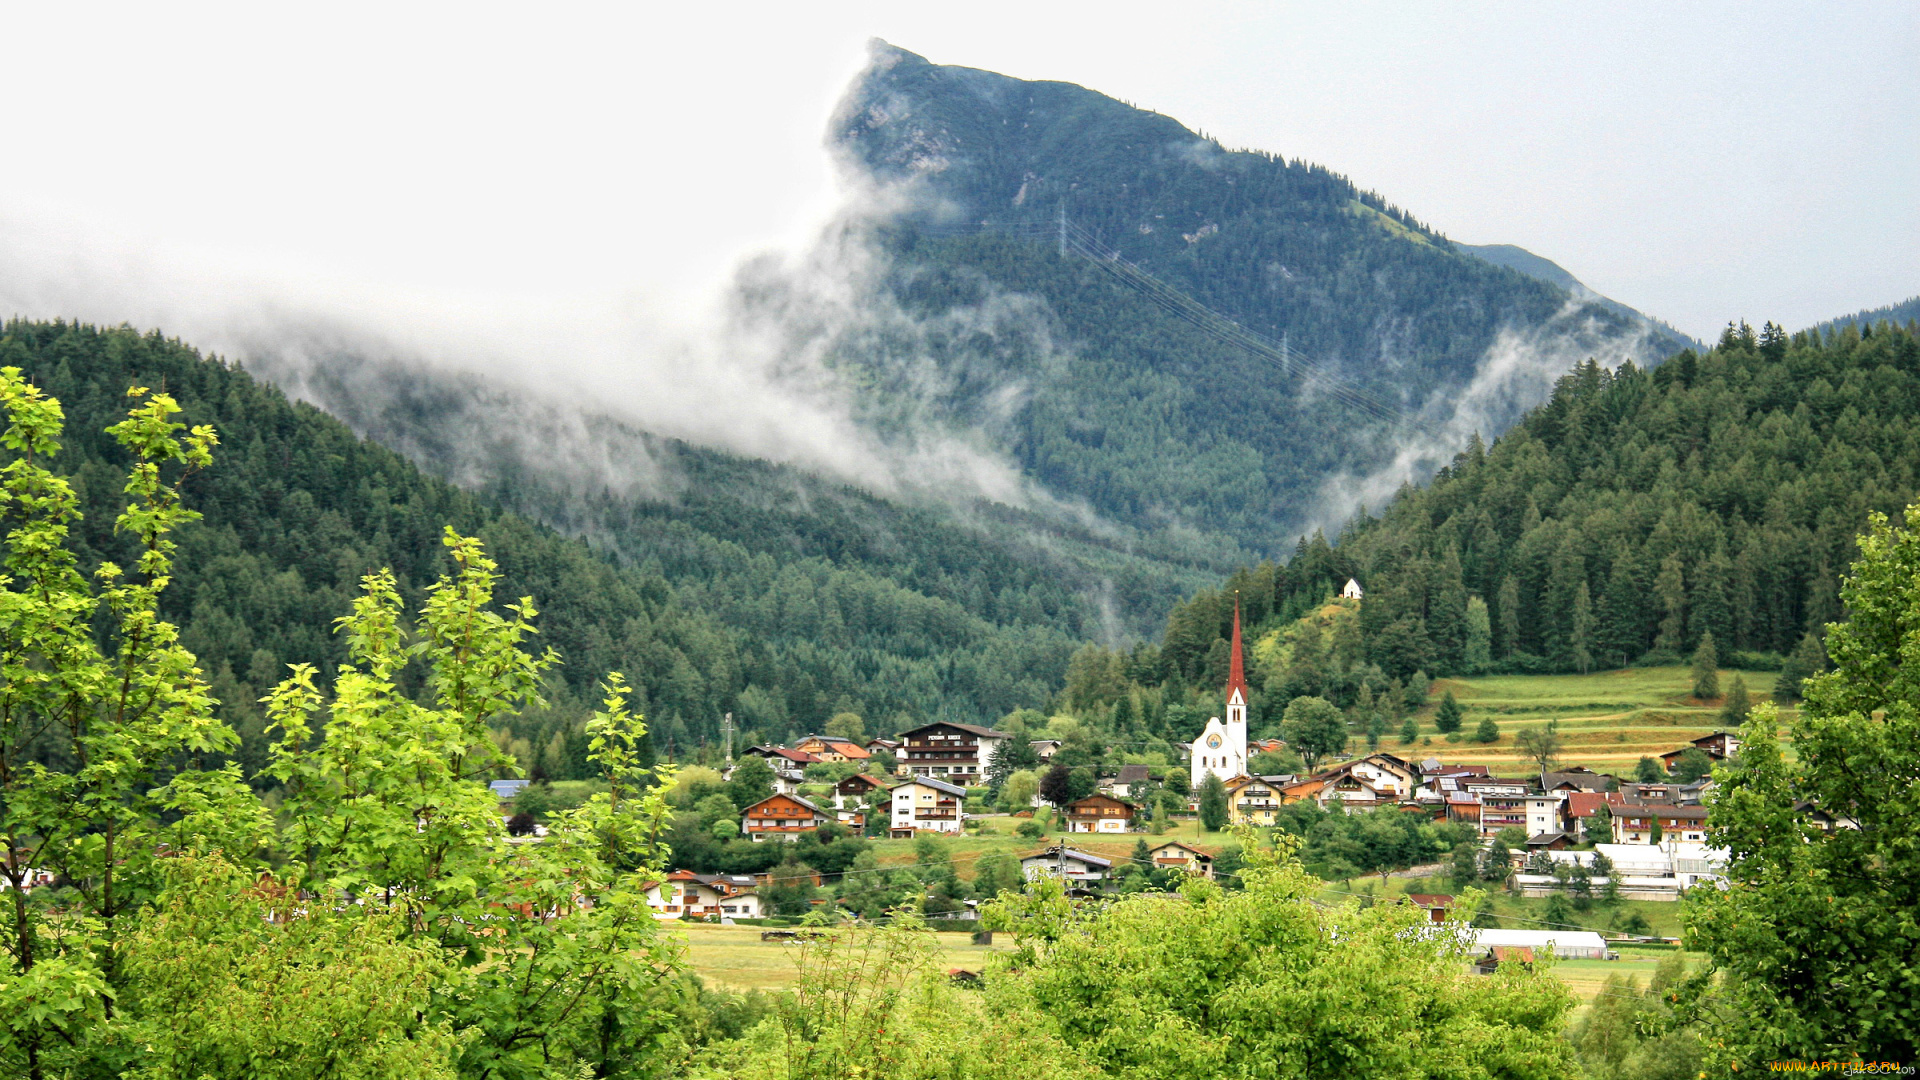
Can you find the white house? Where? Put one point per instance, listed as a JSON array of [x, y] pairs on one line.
[[687, 895], [1352, 591], [924, 803], [1221, 749], [959, 753], [1546, 813]]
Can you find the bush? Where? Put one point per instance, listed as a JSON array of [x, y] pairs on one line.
[[1029, 830]]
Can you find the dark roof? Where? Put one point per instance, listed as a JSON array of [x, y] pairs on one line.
[[1546, 838], [1131, 773], [1101, 798], [864, 779], [1580, 780], [972, 729], [937, 785], [1079, 856]]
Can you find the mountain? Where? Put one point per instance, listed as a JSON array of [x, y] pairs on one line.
[[1526, 262], [1237, 332], [782, 619], [1621, 522], [1900, 314]]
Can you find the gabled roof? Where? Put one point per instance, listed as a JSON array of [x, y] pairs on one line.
[[1577, 780], [1098, 798], [800, 757], [789, 798], [937, 785], [1077, 856], [1133, 774], [866, 780], [1582, 804], [971, 729], [1179, 844]]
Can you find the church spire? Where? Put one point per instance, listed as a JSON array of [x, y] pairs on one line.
[[1236, 672]]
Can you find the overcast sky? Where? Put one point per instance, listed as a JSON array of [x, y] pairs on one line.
[[1700, 162]]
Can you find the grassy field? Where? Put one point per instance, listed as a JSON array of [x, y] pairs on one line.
[[1609, 720], [734, 957]]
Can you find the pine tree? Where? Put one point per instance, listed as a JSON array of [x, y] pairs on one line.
[[1509, 628], [1409, 732], [1487, 732], [1670, 589], [1807, 660], [1213, 803], [1580, 637], [1734, 712], [1706, 669], [1620, 635], [1448, 716], [1479, 647]]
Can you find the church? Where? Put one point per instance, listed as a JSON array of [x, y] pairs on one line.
[[1221, 750]]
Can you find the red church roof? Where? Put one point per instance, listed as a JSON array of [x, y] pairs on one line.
[[1237, 673]]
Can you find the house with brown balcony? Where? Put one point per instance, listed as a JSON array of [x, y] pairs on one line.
[[953, 752], [781, 817], [1178, 856], [1099, 814], [924, 804]]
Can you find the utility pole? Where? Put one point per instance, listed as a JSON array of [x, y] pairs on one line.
[[1063, 228], [726, 734]]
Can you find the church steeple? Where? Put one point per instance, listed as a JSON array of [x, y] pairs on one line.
[[1236, 672]]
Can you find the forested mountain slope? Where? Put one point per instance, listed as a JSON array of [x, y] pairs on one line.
[[297, 508], [1149, 419], [1631, 515], [1900, 314]]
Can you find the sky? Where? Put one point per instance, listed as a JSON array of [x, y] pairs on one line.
[[1701, 162]]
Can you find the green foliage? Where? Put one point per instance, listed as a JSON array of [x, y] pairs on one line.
[[232, 977], [1260, 981], [1706, 669], [1600, 828], [750, 781], [1691, 765], [1814, 937], [1029, 830], [1648, 771], [1448, 716], [1409, 732], [1487, 732], [1734, 710], [1213, 803], [1542, 745], [1809, 658], [1314, 729], [1635, 1034]]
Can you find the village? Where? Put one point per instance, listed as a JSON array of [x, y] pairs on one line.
[[1571, 832]]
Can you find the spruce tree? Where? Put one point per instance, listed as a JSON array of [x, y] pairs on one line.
[[1487, 732], [1807, 660], [1706, 669], [1509, 605], [1734, 712], [1409, 732], [1670, 589], [1580, 635], [1479, 647], [1447, 718]]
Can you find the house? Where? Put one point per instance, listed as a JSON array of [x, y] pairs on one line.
[[850, 799], [1436, 904], [1503, 804], [1044, 749], [1077, 867], [1352, 591], [877, 745], [1186, 857], [960, 753], [854, 790], [1266, 746], [687, 895], [781, 757], [1633, 823], [782, 817], [924, 804], [1305, 787], [1719, 746], [1254, 800], [1583, 805], [1099, 814], [1132, 780], [1375, 780], [832, 748], [1546, 812], [1547, 841], [1565, 944]]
